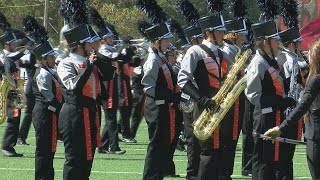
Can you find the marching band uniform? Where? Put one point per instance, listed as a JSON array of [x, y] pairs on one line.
[[110, 101], [292, 72], [45, 114], [125, 97], [202, 70], [13, 114], [29, 66], [159, 105], [138, 99], [194, 36], [237, 111], [265, 89], [79, 118]]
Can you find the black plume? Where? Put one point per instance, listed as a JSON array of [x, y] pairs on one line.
[[186, 9], [176, 28], [215, 6], [95, 18], [153, 11], [238, 8], [142, 26], [4, 25], [34, 30], [74, 12], [269, 9], [289, 13], [113, 29]]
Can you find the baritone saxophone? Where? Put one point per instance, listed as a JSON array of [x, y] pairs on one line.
[[19, 102], [209, 120]]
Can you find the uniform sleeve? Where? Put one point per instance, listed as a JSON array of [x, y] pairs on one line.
[[254, 78], [44, 83], [109, 54], [149, 80], [311, 92], [69, 77], [188, 66]]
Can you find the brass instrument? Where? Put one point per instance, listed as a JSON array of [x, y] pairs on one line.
[[209, 120], [19, 102]]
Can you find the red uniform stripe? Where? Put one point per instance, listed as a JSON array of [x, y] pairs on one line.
[[111, 84], [87, 131], [236, 119], [54, 132], [98, 128], [125, 93], [216, 138], [276, 144], [172, 112]]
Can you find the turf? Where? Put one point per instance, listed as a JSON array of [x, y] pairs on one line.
[[118, 167]]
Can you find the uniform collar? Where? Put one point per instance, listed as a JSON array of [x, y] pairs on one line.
[[108, 47], [210, 45], [77, 57]]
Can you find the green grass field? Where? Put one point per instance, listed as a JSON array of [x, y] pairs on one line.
[[117, 167]]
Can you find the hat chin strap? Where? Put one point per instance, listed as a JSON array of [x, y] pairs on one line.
[[271, 49]]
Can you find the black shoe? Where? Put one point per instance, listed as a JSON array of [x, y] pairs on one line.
[[181, 148], [102, 151], [22, 142], [7, 153], [129, 140], [118, 152], [172, 176], [246, 173]]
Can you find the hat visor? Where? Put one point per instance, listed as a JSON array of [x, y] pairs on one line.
[[275, 36], [300, 39], [86, 40], [95, 38], [167, 36], [50, 53]]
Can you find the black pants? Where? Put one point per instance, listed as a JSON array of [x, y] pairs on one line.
[[138, 97], [247, 138], [264, 165], [178, 127], [125, 112], [27, 119], [313, 158], [193, 147], [44, 154], [110, 131], [12, 129], [157, 157], [72, 128]]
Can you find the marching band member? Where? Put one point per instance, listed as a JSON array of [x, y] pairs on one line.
[[265, 90], [79, 80], [291, 40], [309, 103], [202, 70], [161, 100], [194, 36], [48, 100], [8, 41], [233, 44], [110, 98]]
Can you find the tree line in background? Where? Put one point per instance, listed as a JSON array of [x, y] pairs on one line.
[[121, 13]]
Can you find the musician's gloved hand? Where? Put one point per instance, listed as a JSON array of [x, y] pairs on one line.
[[175, 99], [273, 132], [56, 104], [12, 95], [206, 102], [288, 102]]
